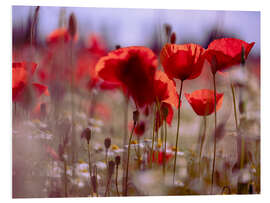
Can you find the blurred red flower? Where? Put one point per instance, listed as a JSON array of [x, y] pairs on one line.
[[226, 52], [139, 129], [158, 157], [203, 101], [183, 62], [86, 74], [60, 35], [132, 67], [160, 118], [22, 73]]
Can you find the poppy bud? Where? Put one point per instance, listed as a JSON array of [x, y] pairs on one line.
[[243, 60], [117, 46], [165, 112], [86, 134], [111, 167], [173, 38], [117, 160], [107, 142], [168, 29], [72, 25], [242, 107], [136, 116]]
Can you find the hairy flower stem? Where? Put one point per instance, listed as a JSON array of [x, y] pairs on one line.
[[116, 182], [202, 142], [65, 177], [178, 126], [139, 152], [89, 164], [214, 159], [73, 140], [240, 159], [106, 157], [125, 126], [153, 137], [165, 150], [129, 143], [160, 122]]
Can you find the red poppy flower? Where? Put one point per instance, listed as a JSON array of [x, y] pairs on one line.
[[132, 67], [21, 75], [139, 129], [183, 62], [203, 101], [165, 89], [60, 35], [165, 92], [96, 45], [226, 52], [160, 118], [158, 157]]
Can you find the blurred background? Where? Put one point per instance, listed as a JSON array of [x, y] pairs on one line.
[[142, 26]]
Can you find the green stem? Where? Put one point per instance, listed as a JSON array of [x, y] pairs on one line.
[[65, 177], [178, 126], [125, 137], [165, 150], [89, 164], [214, 159], [240, 138], [129, 143], [116, 177], [234, 107], [153, 137], [202, 142]]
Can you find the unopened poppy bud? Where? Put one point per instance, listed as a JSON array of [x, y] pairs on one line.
[[242, 107], [72, 25], [117, 160], [136, 116], [243, 59], [173, 38], [117, 46], [168, 29], [107, 142], [86, 134], [111, 167], [165, 112]]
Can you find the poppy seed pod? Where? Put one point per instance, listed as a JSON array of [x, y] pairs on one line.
[[86, 134], [173, 38], [111, 167], [117, 160], [136, 116], [72, 25], [107, 142]]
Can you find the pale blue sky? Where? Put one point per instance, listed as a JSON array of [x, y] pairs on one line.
[[134, 26]]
